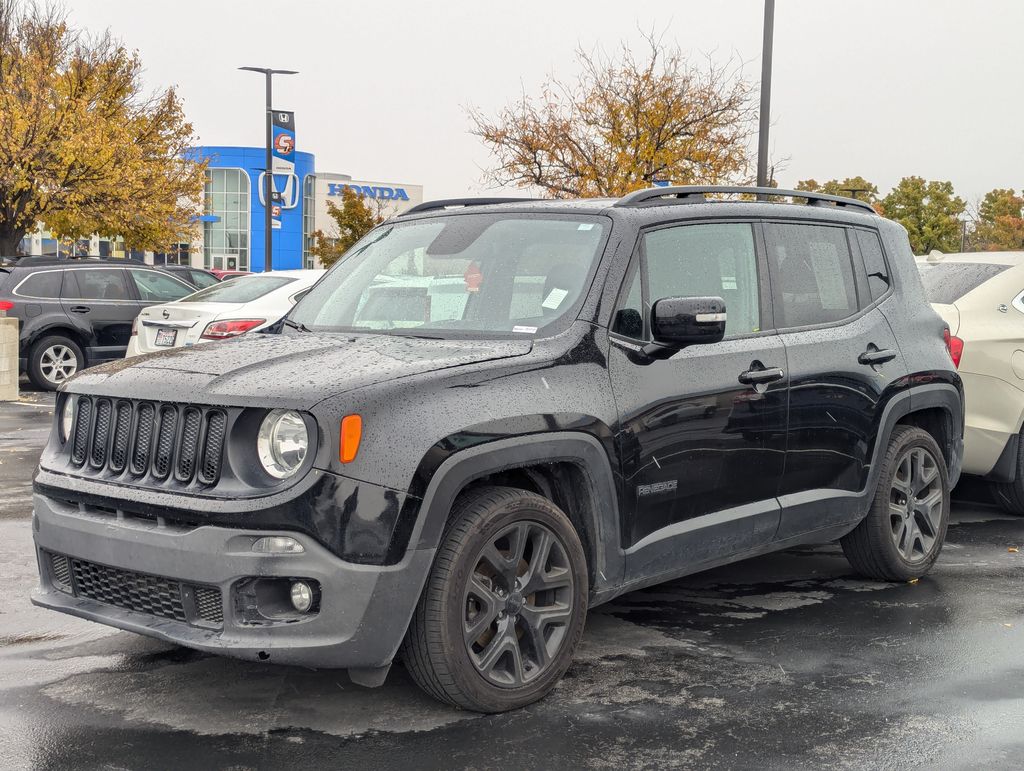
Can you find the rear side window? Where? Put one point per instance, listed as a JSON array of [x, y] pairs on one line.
[[105, 284], [203, 280], [154, 286], [45, 284], [706, 261], [812, 274], [874, 263], [946, 283], [239, 290]]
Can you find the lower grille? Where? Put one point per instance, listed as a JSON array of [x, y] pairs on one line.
[[140, 592], [208, 604]]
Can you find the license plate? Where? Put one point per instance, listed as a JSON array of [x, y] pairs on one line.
[[165, 337]]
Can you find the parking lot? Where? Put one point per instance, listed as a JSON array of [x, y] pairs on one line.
[[784, 661]]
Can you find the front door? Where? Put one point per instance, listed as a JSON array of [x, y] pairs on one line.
[[702, 434]]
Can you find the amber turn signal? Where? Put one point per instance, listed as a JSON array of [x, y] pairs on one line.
[[351, 433]]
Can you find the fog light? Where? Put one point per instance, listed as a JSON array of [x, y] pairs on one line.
[[277, 544], [302, 596]]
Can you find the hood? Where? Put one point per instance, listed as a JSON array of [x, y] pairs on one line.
[[293, 369]]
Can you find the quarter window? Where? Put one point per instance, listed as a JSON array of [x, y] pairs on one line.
[[874, 263], [812, 274], [714, 260], [45, 284]]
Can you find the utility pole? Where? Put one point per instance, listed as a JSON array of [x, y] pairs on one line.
[[766, 93], [268, 173]]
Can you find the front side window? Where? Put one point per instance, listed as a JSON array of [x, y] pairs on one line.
[[461, 275], [239, 290], [713, 260], [96, 285], [154, 286], [812, 274]]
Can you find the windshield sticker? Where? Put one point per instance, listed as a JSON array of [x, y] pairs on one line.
[[554, 298], [524, 330]]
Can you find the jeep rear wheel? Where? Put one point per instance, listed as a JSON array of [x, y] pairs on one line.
[[903, 533], [504, 606]]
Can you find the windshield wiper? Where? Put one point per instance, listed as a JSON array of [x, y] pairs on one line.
[[297, 325]]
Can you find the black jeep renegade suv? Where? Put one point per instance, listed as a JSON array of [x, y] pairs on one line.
[[492, 415]]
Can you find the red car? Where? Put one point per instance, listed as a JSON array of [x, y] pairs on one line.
[[226, 274]]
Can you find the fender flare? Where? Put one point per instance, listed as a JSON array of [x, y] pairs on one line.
[[582, 449], [922, 397]]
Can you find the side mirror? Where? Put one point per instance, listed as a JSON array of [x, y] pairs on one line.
[[677, 322]]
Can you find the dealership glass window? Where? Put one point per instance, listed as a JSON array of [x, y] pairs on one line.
[[226, 240], [308, 187], [177, 254]]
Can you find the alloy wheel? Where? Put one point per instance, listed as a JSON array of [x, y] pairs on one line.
[[58, 363], [518, 604], [916, 503]]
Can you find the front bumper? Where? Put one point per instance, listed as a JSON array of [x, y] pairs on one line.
[[364, 609]]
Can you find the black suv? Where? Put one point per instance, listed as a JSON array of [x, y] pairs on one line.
[[76, 313], [491, 416]]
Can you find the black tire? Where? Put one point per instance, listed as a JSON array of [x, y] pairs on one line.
[[1010, 495], [40, 369], [874, 546], [437, 651]]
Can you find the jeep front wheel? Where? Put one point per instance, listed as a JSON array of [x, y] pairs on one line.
[[504, 606]]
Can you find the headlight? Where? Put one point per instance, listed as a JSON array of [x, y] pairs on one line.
[[67, 417], [282, 443]]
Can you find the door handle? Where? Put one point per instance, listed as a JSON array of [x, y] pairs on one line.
[[874, 355], [761, 376], [80, 309]]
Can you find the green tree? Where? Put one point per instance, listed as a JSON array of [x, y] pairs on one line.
[[851, 187], [352, 220], [930, 212], [1000, 223], [82, 146]]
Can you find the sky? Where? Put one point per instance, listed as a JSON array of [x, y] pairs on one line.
[[880, 89]]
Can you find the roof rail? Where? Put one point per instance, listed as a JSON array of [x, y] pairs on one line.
[[696, 194], [452, 203]]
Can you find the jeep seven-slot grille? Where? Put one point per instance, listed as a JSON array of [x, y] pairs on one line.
[[141, 592], [183, 443]]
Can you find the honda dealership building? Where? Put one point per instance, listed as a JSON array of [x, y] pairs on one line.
[[230, 234]]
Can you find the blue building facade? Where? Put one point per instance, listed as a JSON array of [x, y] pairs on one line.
[[233, 229]]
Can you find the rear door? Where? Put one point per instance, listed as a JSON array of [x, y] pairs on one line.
[[841, 355], [102, 307], [702, 451]]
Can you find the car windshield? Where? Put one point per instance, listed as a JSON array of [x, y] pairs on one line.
[[238, 290], [465, 274], [946, 283]]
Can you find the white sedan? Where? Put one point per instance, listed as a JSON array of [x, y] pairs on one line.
[[218, 312]]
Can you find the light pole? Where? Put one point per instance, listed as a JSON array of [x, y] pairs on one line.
[[766, 93], [268, 173]]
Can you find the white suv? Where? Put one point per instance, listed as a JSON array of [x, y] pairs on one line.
[[981, 297]]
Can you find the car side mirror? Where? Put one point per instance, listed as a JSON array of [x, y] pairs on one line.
[[677, 322]]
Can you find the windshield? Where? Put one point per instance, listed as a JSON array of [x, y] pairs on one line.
[[511, 274], [238, 290]]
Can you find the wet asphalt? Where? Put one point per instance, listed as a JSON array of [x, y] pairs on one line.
[[786, 661]]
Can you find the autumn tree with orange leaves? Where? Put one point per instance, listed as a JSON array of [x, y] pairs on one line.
[[624, 124], [83, 147]]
